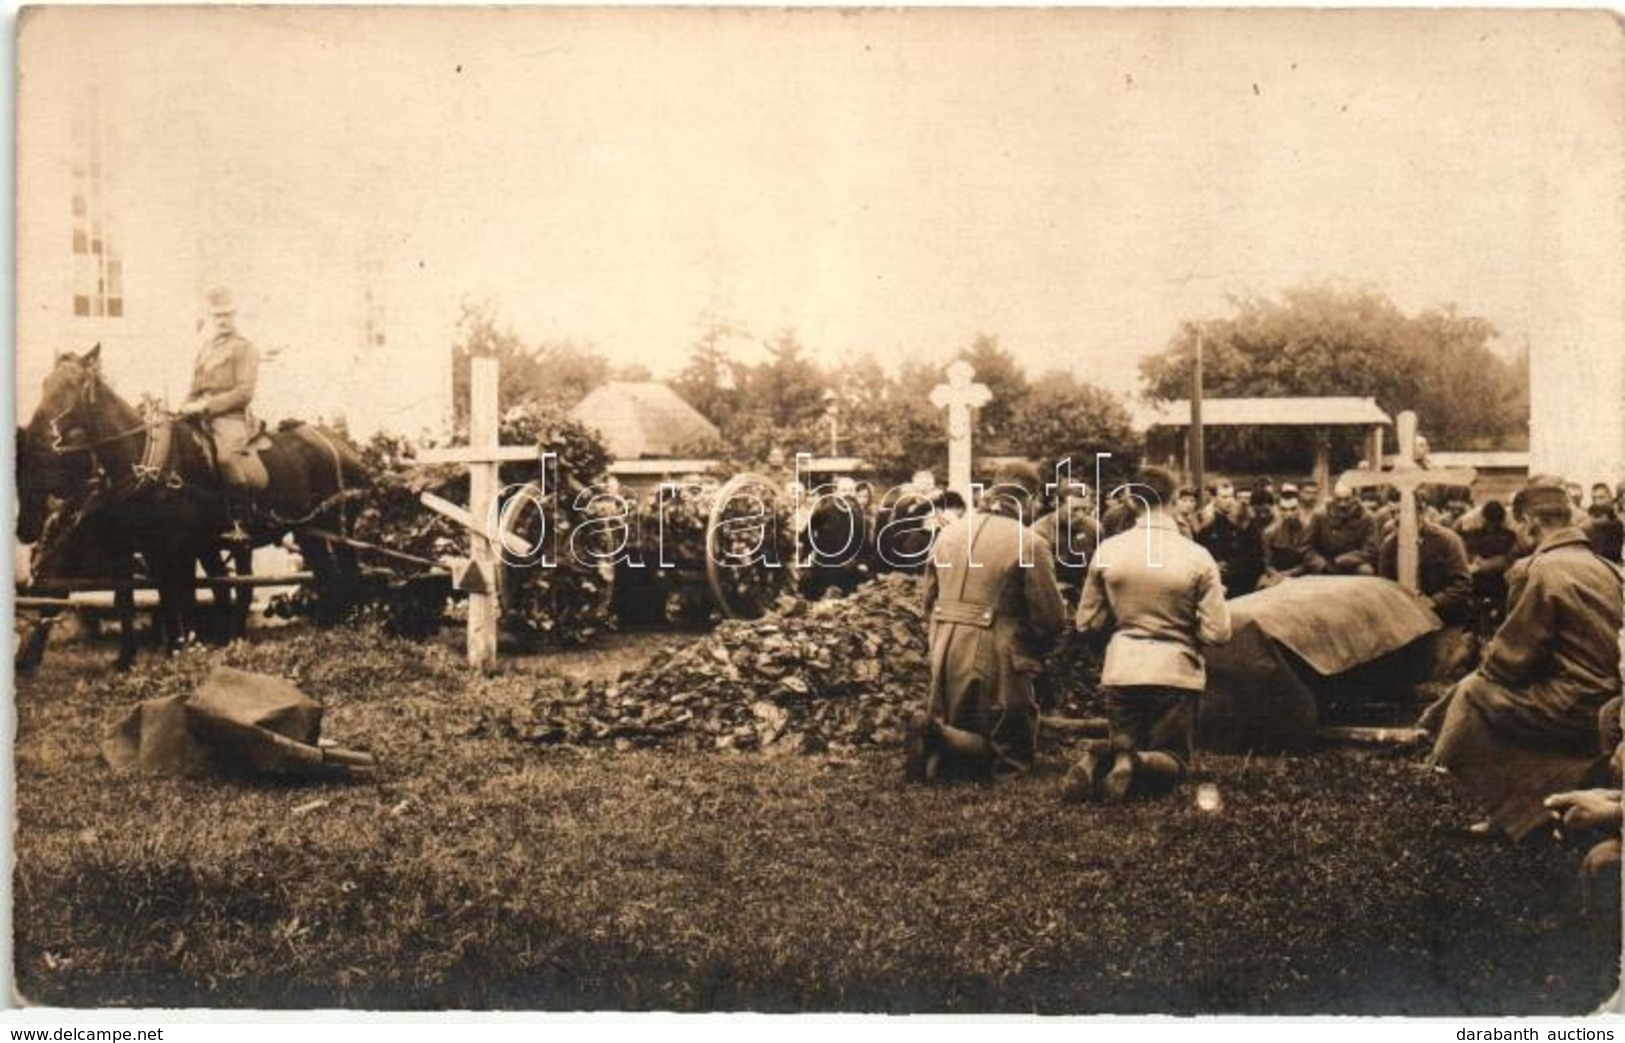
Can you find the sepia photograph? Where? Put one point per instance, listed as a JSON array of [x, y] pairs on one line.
[[890, 511]]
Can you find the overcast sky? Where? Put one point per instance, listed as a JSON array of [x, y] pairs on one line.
[[1074, 182]]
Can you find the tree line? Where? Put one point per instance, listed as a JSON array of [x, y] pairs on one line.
[[1332, 340], [1311, 341]]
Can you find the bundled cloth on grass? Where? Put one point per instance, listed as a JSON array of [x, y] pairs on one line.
[[1300, 642], [234, 723]]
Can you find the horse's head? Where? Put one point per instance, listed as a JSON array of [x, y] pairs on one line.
[[43, 477], [69, 391]]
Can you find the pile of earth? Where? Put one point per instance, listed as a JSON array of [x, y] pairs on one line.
[[834, 674]]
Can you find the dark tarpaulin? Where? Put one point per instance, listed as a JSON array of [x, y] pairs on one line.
[[236, 722], [1298, 642]]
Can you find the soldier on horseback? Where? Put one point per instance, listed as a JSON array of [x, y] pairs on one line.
[[222, 388]]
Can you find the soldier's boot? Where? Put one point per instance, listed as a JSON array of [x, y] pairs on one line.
[[1114, 788], [962, 743], [1007, 768], [1157, 773], [1083, 779], [919, 748], [238, 509]]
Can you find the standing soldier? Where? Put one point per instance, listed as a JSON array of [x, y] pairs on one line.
[[222, 387], [994, 612], [1159, 596]]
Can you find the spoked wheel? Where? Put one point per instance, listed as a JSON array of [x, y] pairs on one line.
[[750, 546]]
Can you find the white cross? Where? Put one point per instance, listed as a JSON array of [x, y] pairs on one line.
[[1406, 476], [482, 455], [959, 396]]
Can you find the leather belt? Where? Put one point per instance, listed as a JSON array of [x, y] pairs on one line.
[[968, 612]]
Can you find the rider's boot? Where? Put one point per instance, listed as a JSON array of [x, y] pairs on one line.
[[237, 509]]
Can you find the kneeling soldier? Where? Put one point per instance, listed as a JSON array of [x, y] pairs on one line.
[[994, 611]]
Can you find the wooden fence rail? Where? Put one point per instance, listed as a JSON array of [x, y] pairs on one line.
[[288, 579]]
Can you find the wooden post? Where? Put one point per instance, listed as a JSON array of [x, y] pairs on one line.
[[483, 455], [1409, 523], [1406, 477], [482, 489], [1198, 437], [959, 396], [1323, 462]]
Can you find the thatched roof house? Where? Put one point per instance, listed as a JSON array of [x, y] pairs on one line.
[[642, 419]]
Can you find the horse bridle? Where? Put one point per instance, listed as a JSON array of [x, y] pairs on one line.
[[86, 395]]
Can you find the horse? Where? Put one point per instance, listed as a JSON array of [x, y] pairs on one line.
[[63, 551], [158, 487], [74, 545]]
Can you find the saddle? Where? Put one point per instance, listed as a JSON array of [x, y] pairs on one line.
[[260, 440]]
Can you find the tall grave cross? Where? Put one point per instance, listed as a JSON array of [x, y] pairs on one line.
[[1406, 476], [483, 454], [959, 396]]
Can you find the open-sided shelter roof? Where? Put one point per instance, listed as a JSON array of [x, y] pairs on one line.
[[642, 418], [1331, 411]]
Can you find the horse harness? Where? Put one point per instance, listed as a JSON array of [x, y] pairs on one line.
[[153, 471]]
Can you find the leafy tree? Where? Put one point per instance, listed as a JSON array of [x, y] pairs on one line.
[[710, 382], [566, 372], [890, 422], [781, 401], [1329, 340], [789, 387], [1002, 374], [557, 374], [1062, 417]]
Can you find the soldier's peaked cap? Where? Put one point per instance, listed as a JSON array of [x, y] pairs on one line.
[[1542, 493], [219, 301]]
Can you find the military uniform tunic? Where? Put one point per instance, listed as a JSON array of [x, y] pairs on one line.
[[990, 626], [223, 379]]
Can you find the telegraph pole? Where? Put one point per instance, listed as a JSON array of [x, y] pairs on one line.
[[1196, 448]]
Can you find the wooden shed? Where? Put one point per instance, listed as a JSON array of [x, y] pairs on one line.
[[1320, 415]]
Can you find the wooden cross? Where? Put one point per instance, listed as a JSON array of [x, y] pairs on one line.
[[483, 454], [1406, 476], [959, 396]]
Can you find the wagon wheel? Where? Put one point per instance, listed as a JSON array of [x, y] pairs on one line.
[[749, 547], [522, 515]]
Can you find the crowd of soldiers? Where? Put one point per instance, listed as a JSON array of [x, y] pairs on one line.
[[1273, 533], [1529, 727]]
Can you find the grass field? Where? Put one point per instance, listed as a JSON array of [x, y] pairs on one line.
[[481, 872]]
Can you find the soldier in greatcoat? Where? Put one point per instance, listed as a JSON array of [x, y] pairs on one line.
[[994, 611], [1525, 723]]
